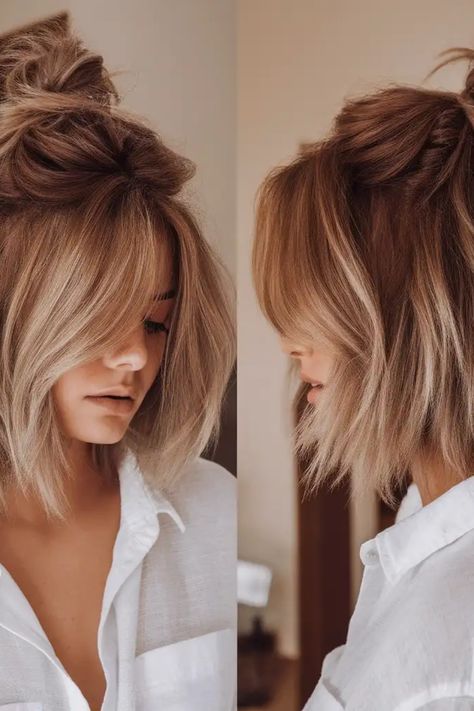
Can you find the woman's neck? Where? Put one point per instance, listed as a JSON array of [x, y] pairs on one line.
[[434, 477], [86, 491]]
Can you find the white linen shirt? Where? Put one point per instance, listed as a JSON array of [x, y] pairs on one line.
[[410, 642], [167, 632]]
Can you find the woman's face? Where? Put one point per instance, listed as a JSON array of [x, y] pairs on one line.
[[132, 368], [315, 365]]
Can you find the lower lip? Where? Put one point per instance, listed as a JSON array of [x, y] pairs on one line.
[[313, 393], [119, 407]]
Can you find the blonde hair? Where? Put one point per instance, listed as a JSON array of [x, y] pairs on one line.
[[364, 246], [88, 202]]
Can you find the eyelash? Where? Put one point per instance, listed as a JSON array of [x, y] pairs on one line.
[[156, 326]]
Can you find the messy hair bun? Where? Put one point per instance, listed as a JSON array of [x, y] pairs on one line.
[[409, 138], [60, 132], [89, 201], [45, 57]]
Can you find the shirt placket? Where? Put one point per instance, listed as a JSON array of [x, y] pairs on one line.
[[116, 643], [370, 593]]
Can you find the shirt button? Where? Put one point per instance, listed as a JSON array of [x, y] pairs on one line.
[[371, 557], [369, 554]]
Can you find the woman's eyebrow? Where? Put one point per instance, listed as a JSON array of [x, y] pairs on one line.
[[166, 295]]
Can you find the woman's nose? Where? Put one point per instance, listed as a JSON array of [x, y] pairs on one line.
[[132, 352]]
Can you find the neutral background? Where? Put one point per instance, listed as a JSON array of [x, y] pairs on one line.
[[296, 63], [178, 64]]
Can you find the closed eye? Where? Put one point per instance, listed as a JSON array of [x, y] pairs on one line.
[[155, 326]]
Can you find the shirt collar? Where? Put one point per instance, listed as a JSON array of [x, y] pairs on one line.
[[409, 541], [138, 498], [410, 503]]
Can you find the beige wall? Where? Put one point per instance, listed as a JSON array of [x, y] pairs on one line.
[[178, 60], [296, 63]]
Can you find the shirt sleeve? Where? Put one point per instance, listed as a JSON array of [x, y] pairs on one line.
[[458, 703]]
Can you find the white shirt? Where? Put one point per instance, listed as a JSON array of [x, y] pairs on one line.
[[410, 642], [167, 633]]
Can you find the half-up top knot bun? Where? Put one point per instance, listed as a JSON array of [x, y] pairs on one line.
[[93, 227], [62, 134], [364, 246], [459, 53], [45, 56]]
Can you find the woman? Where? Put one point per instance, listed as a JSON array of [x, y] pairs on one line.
[[364, 263], [117, 558]]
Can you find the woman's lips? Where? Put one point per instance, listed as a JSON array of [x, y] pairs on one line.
[[313, 391], [117, 406]]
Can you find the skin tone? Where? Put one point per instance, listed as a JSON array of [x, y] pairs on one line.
[[316, 367], [315, 364], [441, 477]]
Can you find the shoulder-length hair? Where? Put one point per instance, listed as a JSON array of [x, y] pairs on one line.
[[364, 246], [89, 199]]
